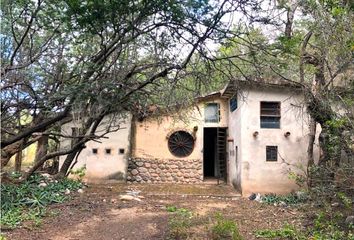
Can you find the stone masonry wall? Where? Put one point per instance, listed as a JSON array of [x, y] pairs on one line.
[[143, 170]]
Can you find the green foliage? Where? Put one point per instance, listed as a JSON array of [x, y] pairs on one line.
[[324, 227], [15, 174], [289, 45], [183, 220], [347, 202], [2, 237], [300, 179], [180, 223], [334, 124], [327, 227], [171, 208], [290, 199], [287, 232], [80, 172], [225, 229], [28, 200]]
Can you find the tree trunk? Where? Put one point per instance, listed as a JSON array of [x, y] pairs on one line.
[[18, 160], [42, 149], [310, 157], [290, 19], [67, 163], [312, 136]]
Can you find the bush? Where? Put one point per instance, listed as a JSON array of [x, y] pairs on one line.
[[324, 228], [287, 232], [225, 229], [28, 200], [180, 223], [290, 199]]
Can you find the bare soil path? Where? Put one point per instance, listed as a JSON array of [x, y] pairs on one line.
[[98, 213]]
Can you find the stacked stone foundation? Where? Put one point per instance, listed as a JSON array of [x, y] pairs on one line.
[[144, 170]]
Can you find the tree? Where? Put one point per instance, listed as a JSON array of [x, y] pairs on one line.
[[94, 59]]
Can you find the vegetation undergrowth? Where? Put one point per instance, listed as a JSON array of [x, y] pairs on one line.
[[287, 232], [28, 201], [225, 229], [184, 224], [324, 228], [291, 199], [330, 205], [179, 223]]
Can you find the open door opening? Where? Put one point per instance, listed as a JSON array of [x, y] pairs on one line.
[[214, 153], [209, 152]]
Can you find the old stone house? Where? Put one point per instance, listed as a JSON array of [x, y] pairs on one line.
[[249, 135]]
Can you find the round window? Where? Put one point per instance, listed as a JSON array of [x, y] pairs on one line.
[[181, 143]]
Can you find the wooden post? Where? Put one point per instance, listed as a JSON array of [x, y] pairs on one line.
[[18, 159]]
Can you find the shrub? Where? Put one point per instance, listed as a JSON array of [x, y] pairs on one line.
[[290, 199], [79, 173], [28, 200], [225, 229], [287, 232], [180, 223], [324, 227]]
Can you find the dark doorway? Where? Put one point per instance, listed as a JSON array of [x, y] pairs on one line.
[[209, 152], [214, 153]]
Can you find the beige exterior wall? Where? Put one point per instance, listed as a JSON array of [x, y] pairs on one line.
[[103, 166], [151, 135], [254, 173]]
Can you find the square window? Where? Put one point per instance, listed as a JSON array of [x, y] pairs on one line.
[[211, 112], [108, 151], [270, 114], [121, 151], [271, 153], [94, 150]]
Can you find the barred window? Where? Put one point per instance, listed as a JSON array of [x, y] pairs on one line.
[[271, 153], [270, 114]]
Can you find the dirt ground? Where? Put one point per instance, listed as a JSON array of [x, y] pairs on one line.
[[98, 213]]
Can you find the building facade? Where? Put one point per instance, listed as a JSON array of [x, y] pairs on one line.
[[108, 158], [252, 137]]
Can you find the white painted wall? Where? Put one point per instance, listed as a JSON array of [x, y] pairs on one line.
[[255, 174], [103, 166], [234, 157]]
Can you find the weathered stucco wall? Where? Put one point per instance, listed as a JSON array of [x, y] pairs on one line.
[[234, 149], [104, 166], [152, 162], [151, 145], [150, 140], [258, 175]]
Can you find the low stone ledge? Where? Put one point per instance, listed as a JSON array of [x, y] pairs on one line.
[[152, 170]]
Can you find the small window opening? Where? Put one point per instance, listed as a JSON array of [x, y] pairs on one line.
[[121, 151], [212, 112], [271, 153], [270, 114], [94, 150], [108, 151], [233, 103]]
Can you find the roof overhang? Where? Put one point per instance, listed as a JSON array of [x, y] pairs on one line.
[[237, 84]]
